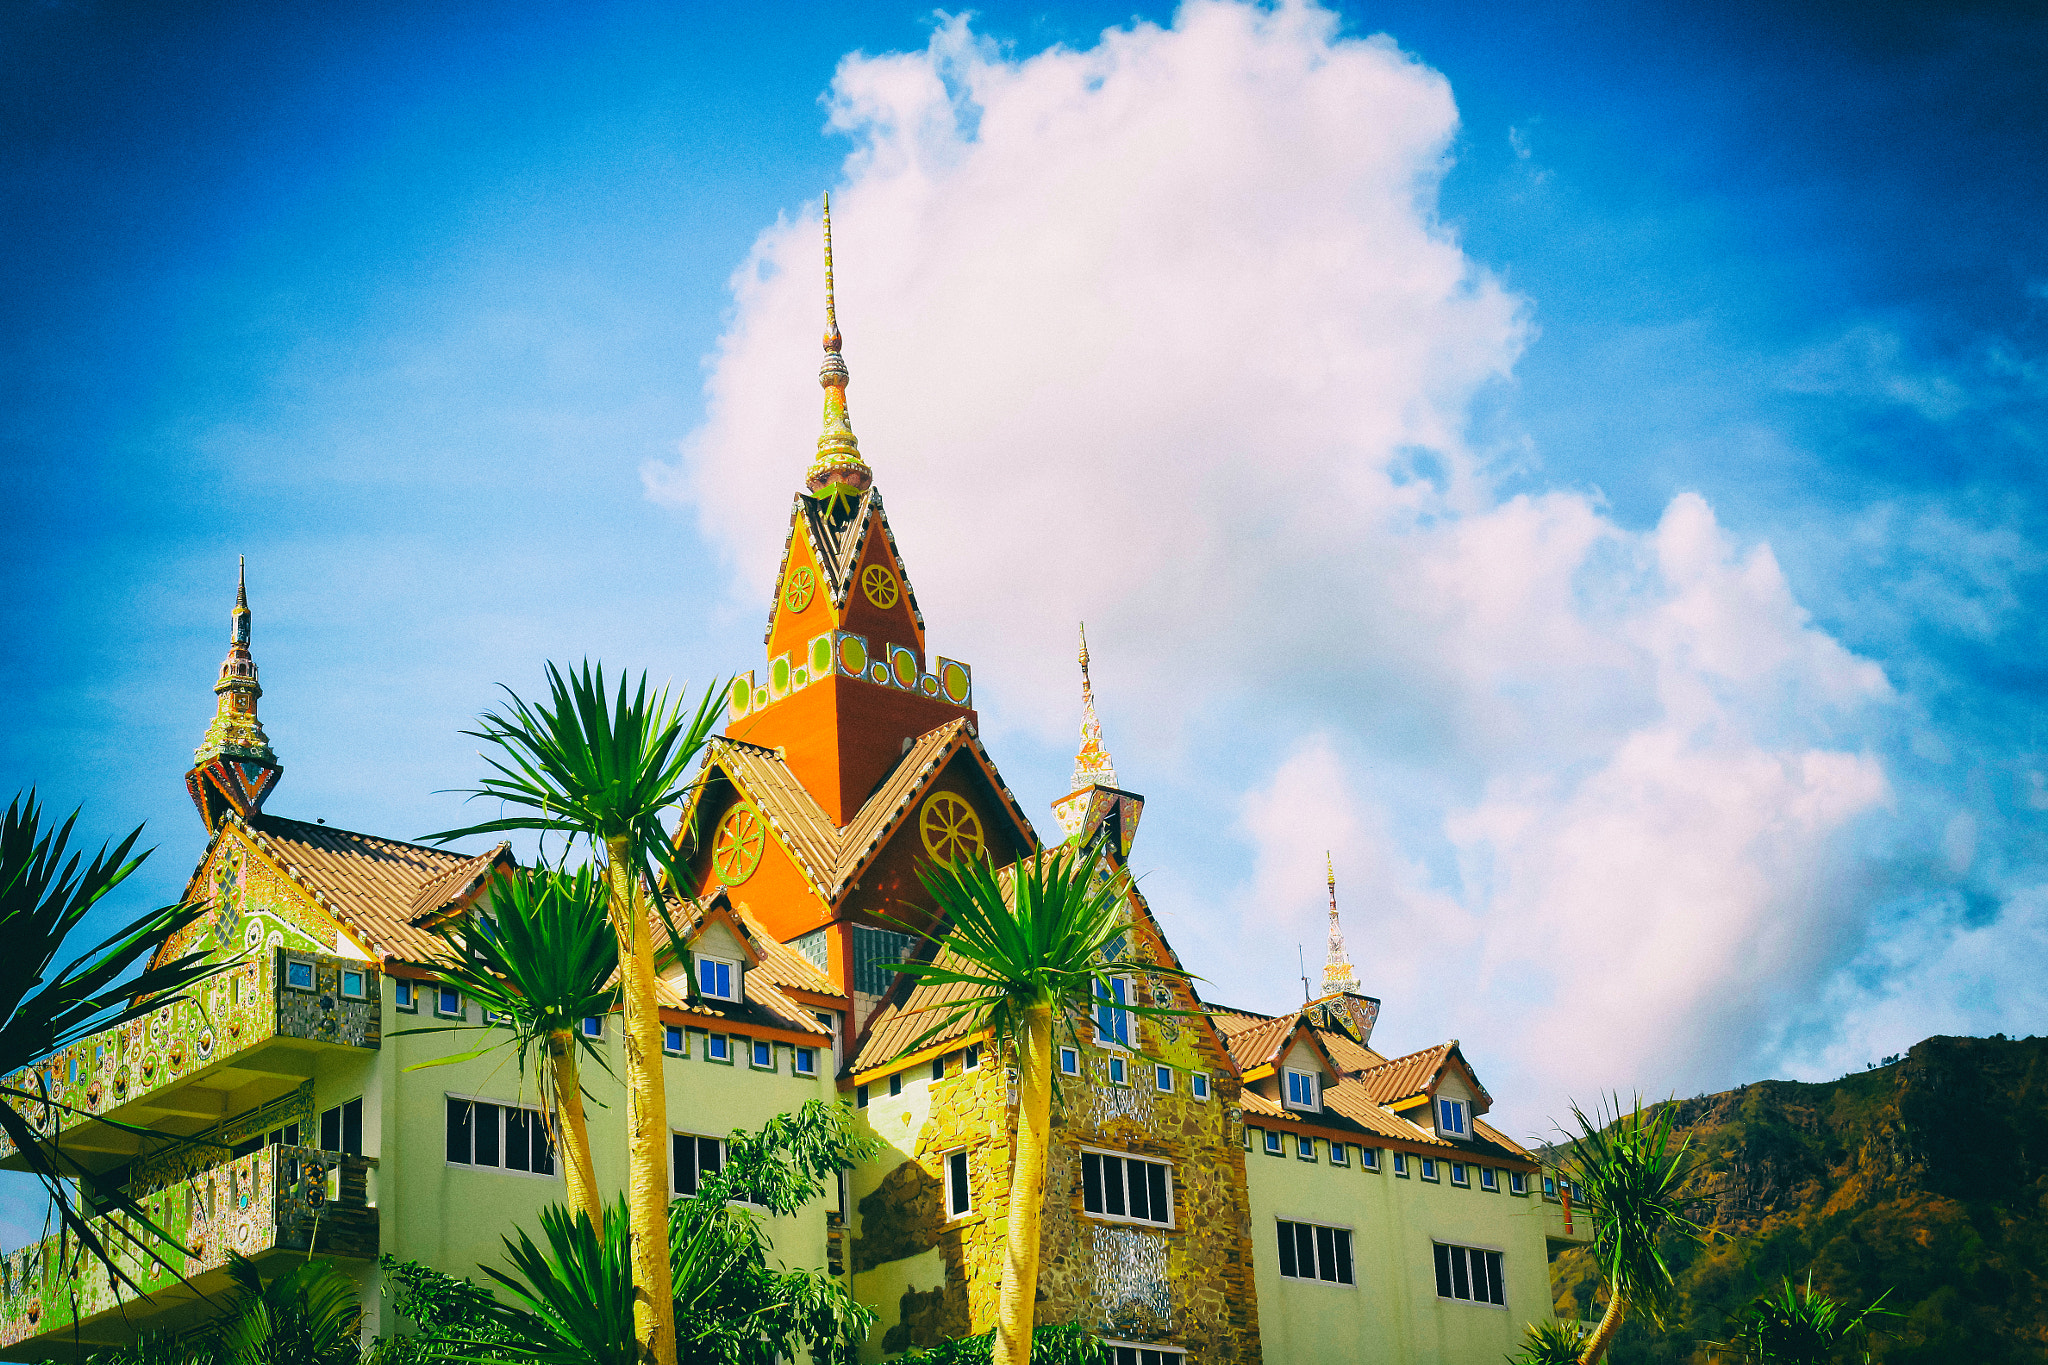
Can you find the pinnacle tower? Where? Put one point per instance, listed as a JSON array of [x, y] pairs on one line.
[[1092, 766], [1337, 972], [234, 767], [839, 466]]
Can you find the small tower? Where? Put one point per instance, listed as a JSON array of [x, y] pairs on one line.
[[1096, 798], [234, 767], [1337, 972], [839, 472]]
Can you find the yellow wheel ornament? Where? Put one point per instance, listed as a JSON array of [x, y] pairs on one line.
[[736, 852], [951, 829], [879, 584], [802, 583]]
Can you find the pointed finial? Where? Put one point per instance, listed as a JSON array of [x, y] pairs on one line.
[[1092, 766], [1330, 865], [235, 731], [839, 466], [242, 582], [1337, 972]]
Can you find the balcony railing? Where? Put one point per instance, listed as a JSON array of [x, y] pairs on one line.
[[54, 1300], [243, 1037]]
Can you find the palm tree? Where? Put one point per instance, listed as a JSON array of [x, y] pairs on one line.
[[310, 1315], [44, 894], [1029, 944], [540, 963], [588, 766], [1795, 1327], [1550, 1343], [1637, 1183]]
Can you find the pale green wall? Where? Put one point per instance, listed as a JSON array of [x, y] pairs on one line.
[[1392, 1313], [454, 1218]]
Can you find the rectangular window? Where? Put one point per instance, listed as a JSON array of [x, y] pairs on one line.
[[1162, 1077], [672, 1039], [404, 996], [1368, 1158], [1401, 1164], [1459, 1174], [448, 1001], [341, 1128], [1198, 1085], [507, 1137], [1549, 1187], [1070, 1062], [1469, 1273], [938, 1068], [1310, 1251], [352, 985], [895, 1085], [959, 1199], [714, 978], [764, 1055], [593, 1026], [1450, 1117], [287, 1136], [1301, 1090], [860, 1097], [1276, 1145], [1517, 1183], [717, 1048], [970, 1057], [1304, 1147], [691, 1158], [1112, 1021], [1121, 1353], [1128, 1188], [806, 1063], [1489, 1180], [298, 974], [1429, 1168], [1340, 1154], [1119, 1074]]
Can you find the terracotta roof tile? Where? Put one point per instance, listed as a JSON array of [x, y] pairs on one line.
[[784, 965], [373, 886], [901, 1023], [1406, 1077]]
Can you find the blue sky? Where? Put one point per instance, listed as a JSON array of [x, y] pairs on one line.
[[482, 331]]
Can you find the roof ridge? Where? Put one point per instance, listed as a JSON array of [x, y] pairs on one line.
[[1409, 1057], [320, 827]]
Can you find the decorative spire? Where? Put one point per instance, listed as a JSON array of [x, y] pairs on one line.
[[839, 465], [1337, 973], [235, 732], [1092, 767]]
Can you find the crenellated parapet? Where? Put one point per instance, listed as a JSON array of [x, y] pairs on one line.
[[238, 1040], [843, 654]]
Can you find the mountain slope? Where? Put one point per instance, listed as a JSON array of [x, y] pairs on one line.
[[1928, 1177]]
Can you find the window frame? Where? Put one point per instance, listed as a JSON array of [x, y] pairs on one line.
[[405, 995], [1429, 1170], [1304, 1147], [1311, 1082], [1169, 1355], [1339, 1156], [1198, 1085], [1162, 1078], [970, 1058], [803, 1061], [534, 1116], [732, 982], [441, 1010], [1461, 1174], [957, 1176], [1489, 1180], [341, 1127], [1401, 1165], [754, 1062], [362, 990], [1348, 1260], [1170, 1222], [712, 1042], [1275, 1142], [1114, 1008], [1070, 1061], [1445, 1110], [1119, 1071], [591, 1026], [676, 1191], [1518, 1184], [1496, 1272], [682, 1043], [1369, 1159], [312, 985]]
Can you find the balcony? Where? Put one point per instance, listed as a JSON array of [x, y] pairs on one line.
[[57, 1304], [245, 1037], [1565, 1224]]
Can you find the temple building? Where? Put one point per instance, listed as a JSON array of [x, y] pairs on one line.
[[1225, 1185]]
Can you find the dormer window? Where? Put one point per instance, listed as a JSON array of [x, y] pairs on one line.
[[1302, 1090], [717, 978], [1450, 1118]]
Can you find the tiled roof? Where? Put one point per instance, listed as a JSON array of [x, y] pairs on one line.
[[1405, 1077], [375, 887], [784, 965], [831, 858], [901, 1023], [1256, 1046], [765, 1004]]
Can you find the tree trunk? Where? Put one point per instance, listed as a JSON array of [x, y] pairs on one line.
[[1603, 1335], [1018, 1304], [647, 1178], [572, 1137]]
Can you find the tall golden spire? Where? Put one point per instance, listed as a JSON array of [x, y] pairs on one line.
[[234, 766], [1337, 972], [1092, 767], [839, 465]]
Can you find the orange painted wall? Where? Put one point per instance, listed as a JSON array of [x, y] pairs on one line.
[[777, 895], [842, 737], [892, 625], [890, 888], [793, 631]]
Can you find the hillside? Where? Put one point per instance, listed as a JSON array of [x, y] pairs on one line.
[[1928, 1177]]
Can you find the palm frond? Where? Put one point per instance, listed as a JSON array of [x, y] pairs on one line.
[[1639, 1180]]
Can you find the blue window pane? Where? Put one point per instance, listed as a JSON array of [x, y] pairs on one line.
[[299, 974]]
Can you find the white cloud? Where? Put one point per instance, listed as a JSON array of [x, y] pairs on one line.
[[1166, 334]]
